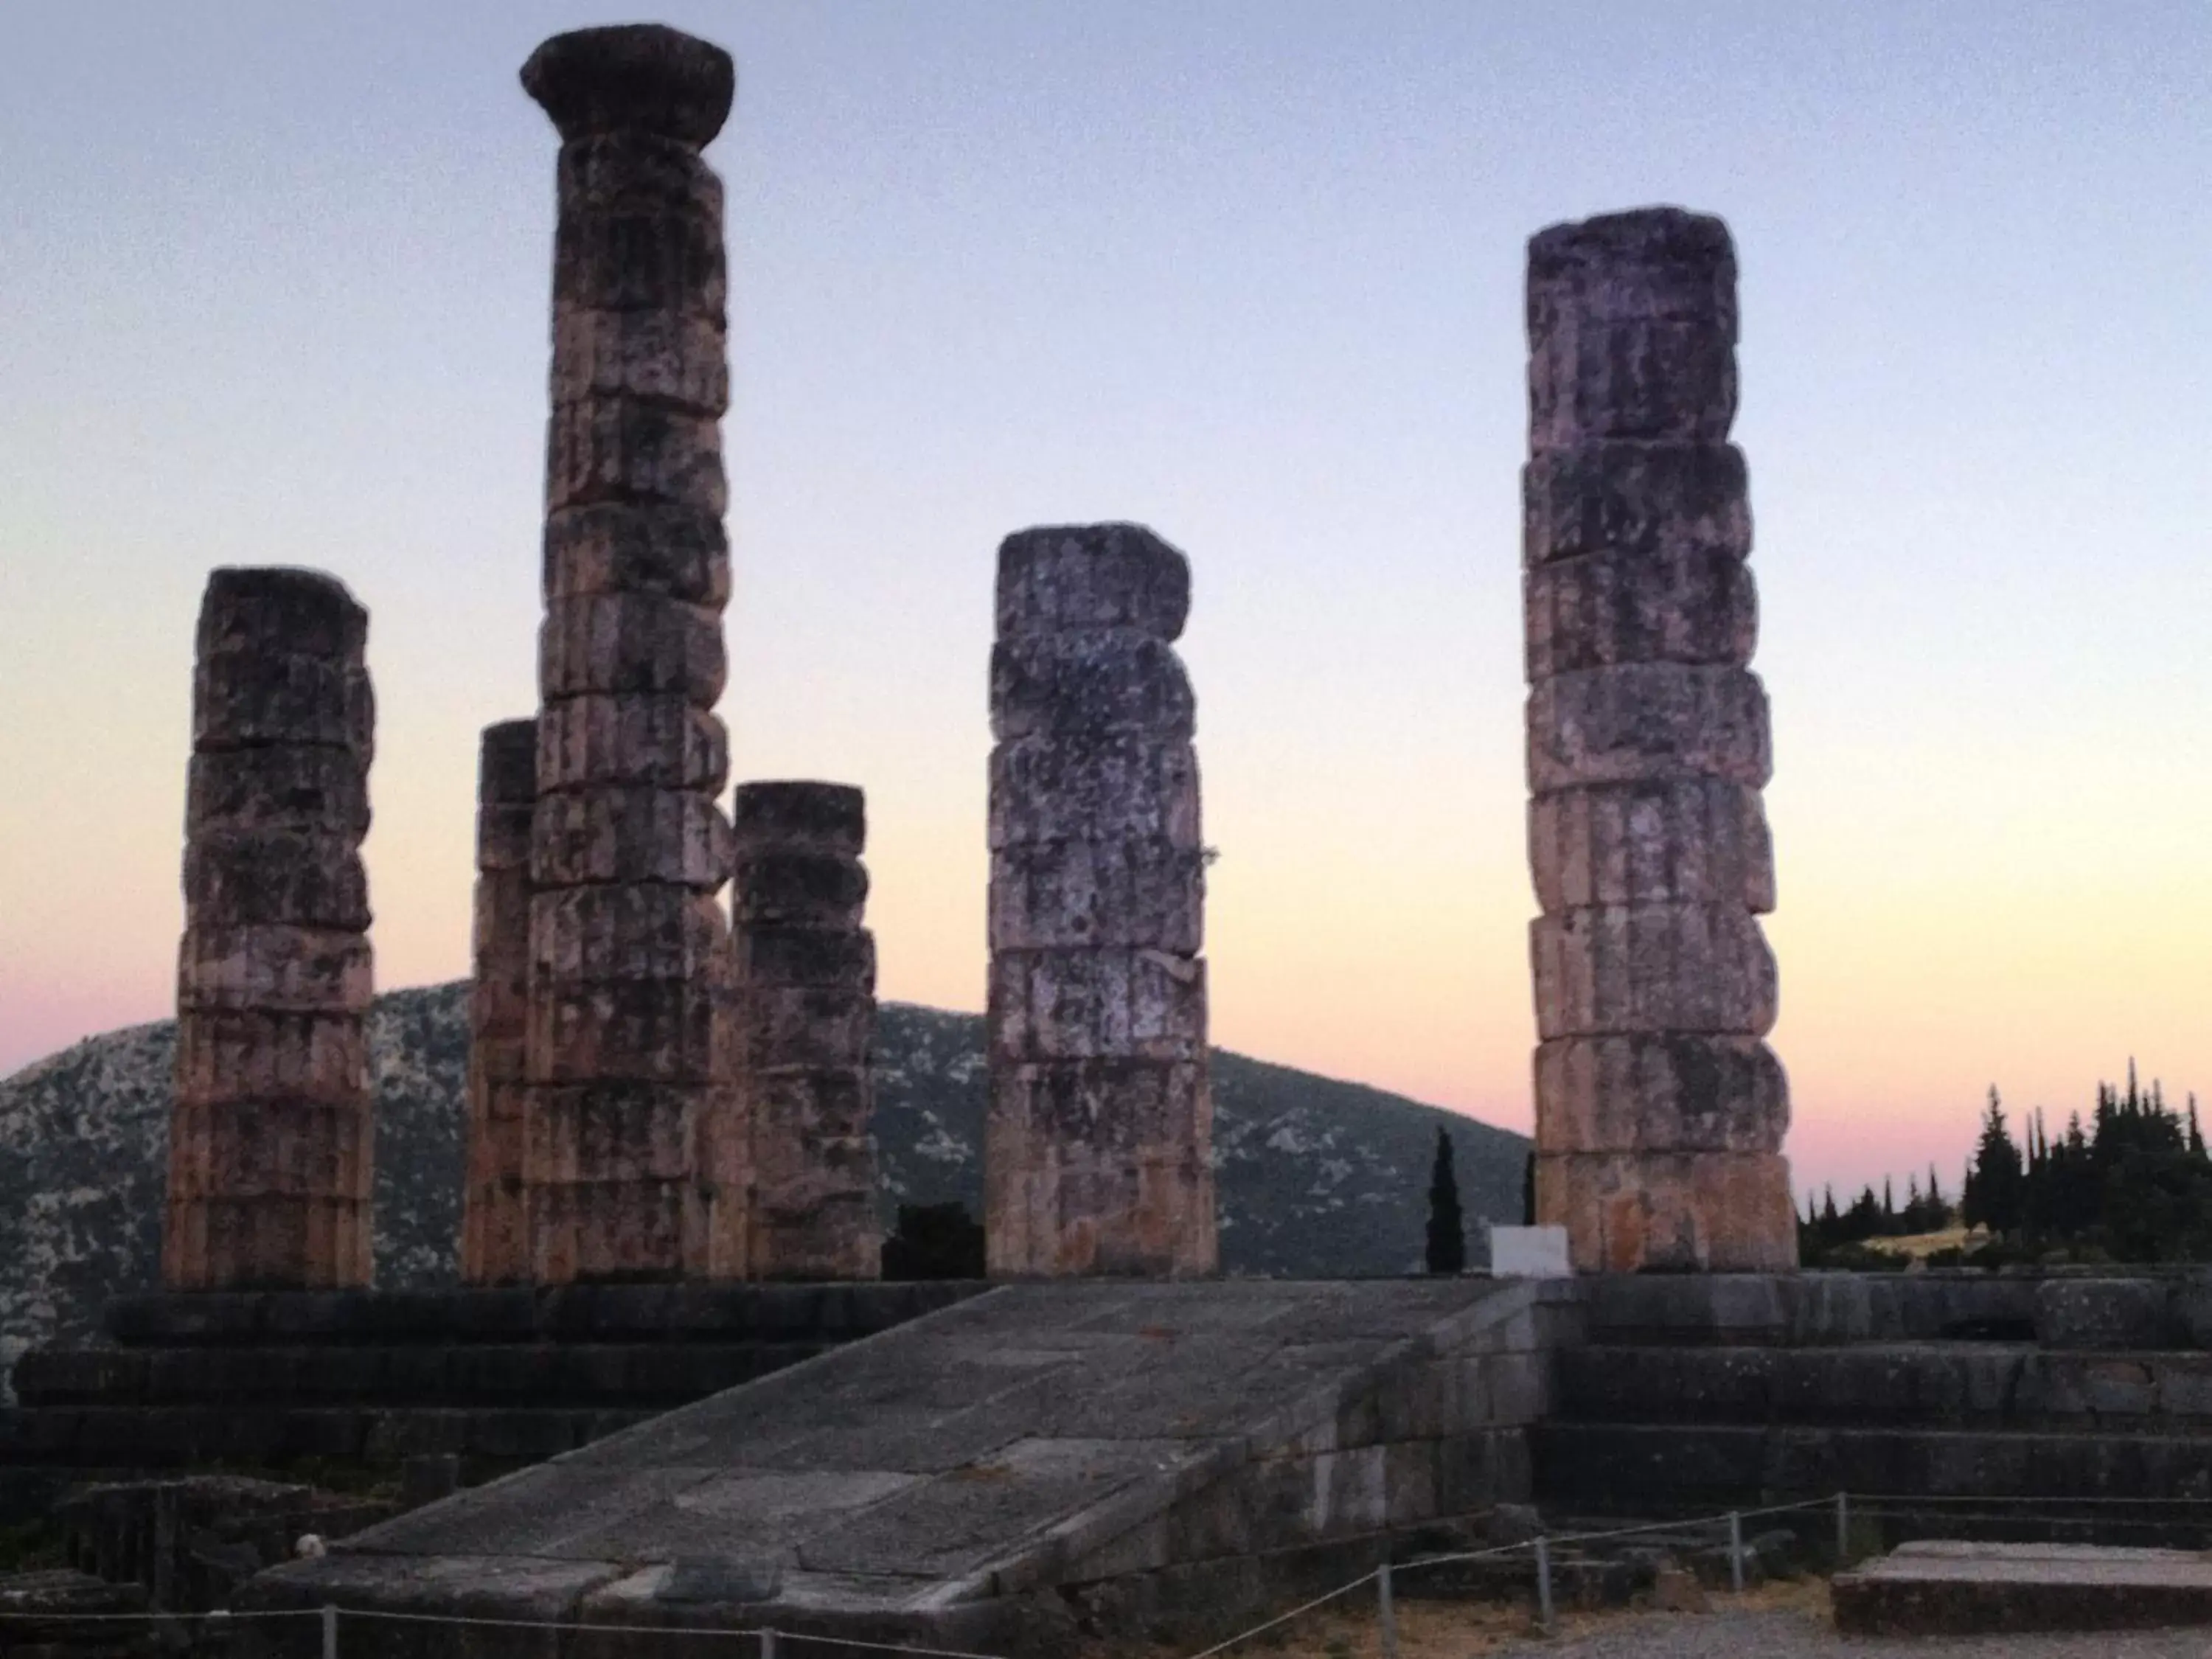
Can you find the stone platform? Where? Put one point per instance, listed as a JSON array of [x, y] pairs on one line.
[[270, 1380], [1044, 1462], [1945, 1588]]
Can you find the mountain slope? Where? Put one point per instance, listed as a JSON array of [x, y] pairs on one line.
[[1317, 1177]]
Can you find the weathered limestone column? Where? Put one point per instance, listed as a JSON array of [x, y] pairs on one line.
[[1097, 1149], [495, 1233], [1660, 1113], [626, 1049], [270, 1143], [807, 1014]]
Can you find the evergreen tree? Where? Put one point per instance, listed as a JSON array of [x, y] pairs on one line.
[[1446, 1252], [1528, 1192], [1996, 1188]]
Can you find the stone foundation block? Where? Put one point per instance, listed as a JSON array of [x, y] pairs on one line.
[[661, 355], [1088, 683], [1083, 894], [1648, 722], [1696, 607], [637, 547], [1699, 841], [279, 969], [1704, 1212], [627, 449], [269, 1239], [1652, 968], [1673, 1091], [655, 742], [241, 877], [1059, 577], [627, 835], [632, 644], [1105, 788], [1635, 501], [1081, 1005]]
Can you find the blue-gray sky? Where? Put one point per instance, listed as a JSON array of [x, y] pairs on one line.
[[273, 289]]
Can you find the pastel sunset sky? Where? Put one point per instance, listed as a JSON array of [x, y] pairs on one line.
[[273, 289]]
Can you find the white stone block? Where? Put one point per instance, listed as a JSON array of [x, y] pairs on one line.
[[1528, 1253]]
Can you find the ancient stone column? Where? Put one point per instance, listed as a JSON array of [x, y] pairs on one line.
[[806, 1012], [1097, 1147], [1660, 1113], [272, 1141], [625, 1052], [494, 1233]]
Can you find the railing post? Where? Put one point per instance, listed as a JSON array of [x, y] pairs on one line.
[[330, 1631], [1388, 1612], [1842, 1530], [767, 1643], [1543, 1584], [1736, 1552]]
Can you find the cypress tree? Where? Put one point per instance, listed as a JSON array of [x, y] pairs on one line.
[[1446, 1252]]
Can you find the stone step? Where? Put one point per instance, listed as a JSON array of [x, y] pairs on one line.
[[1995, 1385], [576, 1375], [1707, 1467], [119, 1440], [1947, 1587], [582, 1313]]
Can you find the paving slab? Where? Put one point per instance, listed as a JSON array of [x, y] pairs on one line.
[[1952, 1587]]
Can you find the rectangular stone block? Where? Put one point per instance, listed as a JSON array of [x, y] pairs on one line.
[[495, 1219], [655, 742], [1057, 1209], [682, 360], [239, 877], [626, 449], [243, 700], [624, 644], [1103, 788], [666, 261], [719, 1213], [614, 1132], [237, 1055], [1698, 841], [792, 1108], [1650, 379], [1083, 1004], [1648, 722], [1687, 1212], [504, 837], [1668, 1092], [1115, 1108], [812, 818], [596, 1232], [273, 1243], [253, 1149], [628, 835], [779, 886], [1089, 683], [637, 547], [830, 958], [654, 1030], [274, 969], [500, 949], [602, 935], [1084, 895], [1635, 500], [1090, 576], [255, 609], [304, 788], [1656, 967], [1699, 607], [804, 1026]]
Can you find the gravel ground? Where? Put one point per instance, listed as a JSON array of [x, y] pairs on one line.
[[1797, 1634]]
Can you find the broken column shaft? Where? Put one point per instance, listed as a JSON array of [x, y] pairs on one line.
[[805, 1011], [1098, 1141], [270, 1143], [1659, 1112], [494, 1233], [626, 1051]]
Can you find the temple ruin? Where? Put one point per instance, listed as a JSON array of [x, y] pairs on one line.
[[1659, 1112], [494, 1227], [626, 1055], [270, 1142], [1099, 1133], [805, 1004]]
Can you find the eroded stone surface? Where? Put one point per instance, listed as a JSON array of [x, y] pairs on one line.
[[627, 1053], [270, 1144], [1660, 1114], [494, 1247]]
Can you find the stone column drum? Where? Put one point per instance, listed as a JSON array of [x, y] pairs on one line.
[[625, 1052], [495, 1233], [1660, 1113], [1098, 1142], [272, 1138], [807, 1014]]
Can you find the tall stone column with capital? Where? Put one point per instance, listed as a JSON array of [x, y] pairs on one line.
[[1098, 1140], [626, 1051], [272, 1138], [1659, 1112], [495, 1233]]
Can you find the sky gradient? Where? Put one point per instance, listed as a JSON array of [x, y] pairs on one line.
[[275, 290]]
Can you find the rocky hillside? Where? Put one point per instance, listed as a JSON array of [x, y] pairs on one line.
[[1317, 1177]]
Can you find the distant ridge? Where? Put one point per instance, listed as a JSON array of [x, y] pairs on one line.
[[1318, 1178]]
